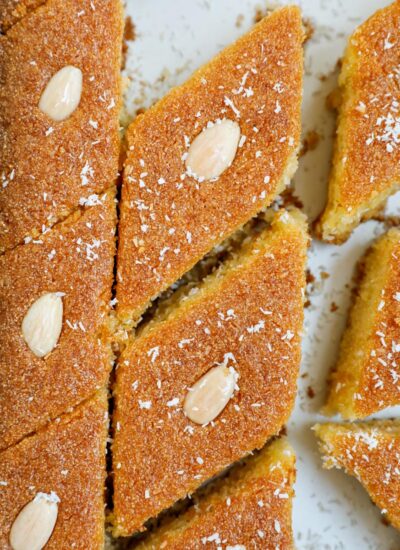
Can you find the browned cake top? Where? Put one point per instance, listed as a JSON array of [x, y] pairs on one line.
[[75, 259], [368, 372], [169, 219], [252, 508], [368, 152], [248, 316], [371, 453], [48, 168], [68, 459], [12, 11], [379, 384]]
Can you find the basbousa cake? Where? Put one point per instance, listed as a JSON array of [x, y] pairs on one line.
[[59, 113], [367, 155], [212, 378], [251, 508], [367, 376], [52, 483], [54, 303], [370, 452], [207, 157]]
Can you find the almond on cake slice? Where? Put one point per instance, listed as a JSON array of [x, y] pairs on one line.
[[212, 376], [208, 157]]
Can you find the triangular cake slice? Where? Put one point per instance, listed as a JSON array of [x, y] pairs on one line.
[[56, 478], [370, 452], [54, 302], [59, 131], [251, 508], [207, 157], [212, 378], [366, 162], [367, 376]]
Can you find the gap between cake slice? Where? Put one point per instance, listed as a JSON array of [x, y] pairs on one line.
[[208, 157], [251, 507], [244, 320]]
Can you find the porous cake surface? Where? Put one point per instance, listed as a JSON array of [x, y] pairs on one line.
[[67, 458], [367, 376], [74, 259], [246, 316], [50, 168], [12, 11], [249, 509], [169, 218], [370, 452], [367, 155]]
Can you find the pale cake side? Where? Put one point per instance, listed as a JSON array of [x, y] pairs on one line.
[[370, 452], [50, 168], [366, 159], [251, 508], [170, 219], [66, 460], [246, 316], [74, 260], [366, 378]]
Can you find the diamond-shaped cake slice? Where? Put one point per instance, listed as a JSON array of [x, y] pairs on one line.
[[57, 474], [366, 162], [59, 111], [367, 376], [251, 508], [370, 452], [212, 377], [209, 156], [54, 302]]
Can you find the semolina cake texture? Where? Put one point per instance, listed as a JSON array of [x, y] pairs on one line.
[[64, 464], [65, 279], [243, 324], [11, 11], [365, 170], [251, 508], [208, 157], [51, 167], [369, 451], [366, 378]]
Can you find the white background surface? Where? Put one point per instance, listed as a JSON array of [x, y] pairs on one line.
[[174, 37]]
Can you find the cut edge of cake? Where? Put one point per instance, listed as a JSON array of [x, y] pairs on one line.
[[345, 376], [336, 223], [188, 294], [328, 432], [130, 317], [237, 482]]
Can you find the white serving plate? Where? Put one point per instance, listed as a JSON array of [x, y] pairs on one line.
[[174, 37]]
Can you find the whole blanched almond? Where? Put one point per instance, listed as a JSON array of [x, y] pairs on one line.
[[207, 398], [62, 94], [42, 323], [33, 526], [213, 150]]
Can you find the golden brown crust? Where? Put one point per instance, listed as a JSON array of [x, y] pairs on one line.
[[244, 509], [367, 376], [249, 314], [11, 11], [167, 227], [370, 452], [367, 151], [67, 457], [48, 167], [77, 258]]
